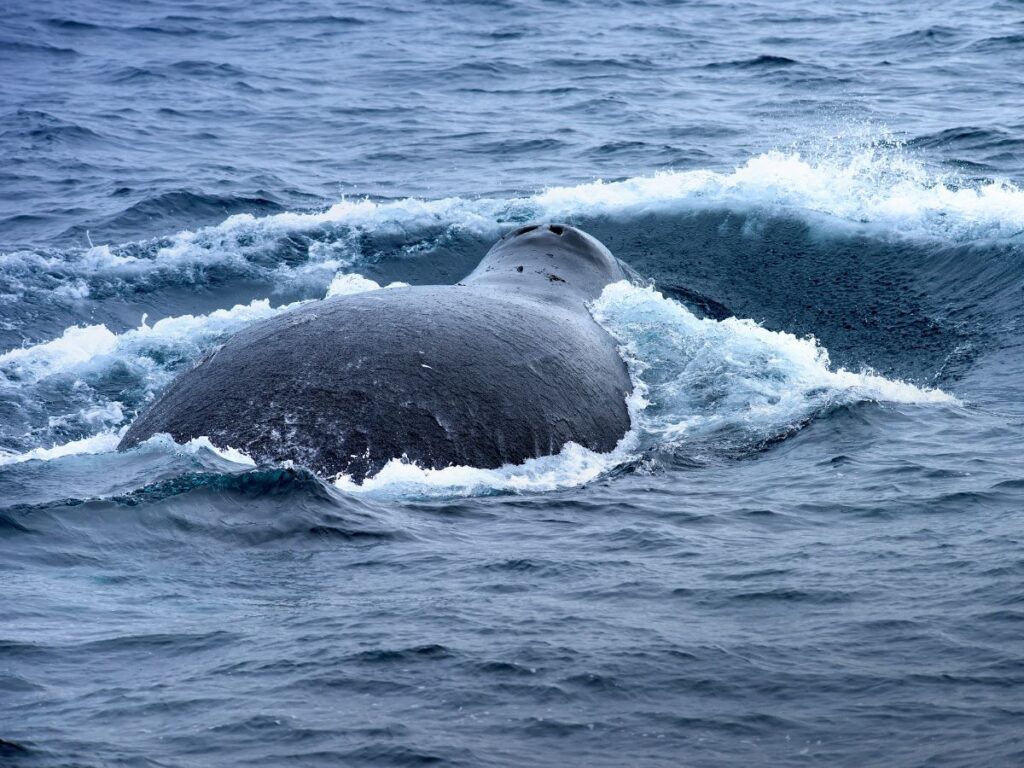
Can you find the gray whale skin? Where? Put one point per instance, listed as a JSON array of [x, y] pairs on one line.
[[504, 366]]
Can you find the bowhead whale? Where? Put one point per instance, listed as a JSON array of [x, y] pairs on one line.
[[506, 365]]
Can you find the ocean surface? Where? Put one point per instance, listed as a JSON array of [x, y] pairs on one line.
[[809, 548]]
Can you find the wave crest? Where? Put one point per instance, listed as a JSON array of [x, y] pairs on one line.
[[879, 184], [717, 386]]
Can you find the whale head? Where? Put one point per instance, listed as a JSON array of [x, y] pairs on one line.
[[551, 261]]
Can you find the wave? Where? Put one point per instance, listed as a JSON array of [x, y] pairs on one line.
[[102, 442], [758, 62], [107, 441], [148, 347], [165, 344], [880, 186], [716, 386], [702, 387], [139, 506], [173, 208], [573, 466], [90, 380], [84, 359], [730, 385]]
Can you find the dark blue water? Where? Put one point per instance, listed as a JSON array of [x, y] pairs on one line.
[[809, 549]]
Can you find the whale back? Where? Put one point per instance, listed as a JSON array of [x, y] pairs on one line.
[[439, 375], [505, 366]]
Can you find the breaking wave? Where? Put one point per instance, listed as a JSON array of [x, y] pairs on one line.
[[880, 185], [704, 386], [718, 386]]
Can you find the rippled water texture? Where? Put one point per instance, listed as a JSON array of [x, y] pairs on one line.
[[807, 549]]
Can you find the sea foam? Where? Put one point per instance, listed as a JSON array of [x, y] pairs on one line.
[[875, 185]]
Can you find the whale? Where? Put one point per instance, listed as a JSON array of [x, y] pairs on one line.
[[506, 365]]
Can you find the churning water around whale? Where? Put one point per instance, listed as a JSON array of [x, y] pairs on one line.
[[807, 549]]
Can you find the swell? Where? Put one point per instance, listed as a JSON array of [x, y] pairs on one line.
[[177, 208], [876, 201], [265, 507]]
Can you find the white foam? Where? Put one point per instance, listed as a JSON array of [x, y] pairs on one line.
[[862, 182], [77, 345], [198, 444], [107, 441], [573, 466], [103, 442], [82, 348], [853, 183], [240, 236], [883, 188], [702, 379], [102, 414], [347, 284]]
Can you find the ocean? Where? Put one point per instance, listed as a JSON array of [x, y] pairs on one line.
[[808, 549]]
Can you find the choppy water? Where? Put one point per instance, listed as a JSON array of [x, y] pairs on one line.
[[808, 548]]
